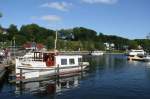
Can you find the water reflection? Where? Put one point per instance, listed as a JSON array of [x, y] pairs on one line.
[[50, 87], [106, 62]]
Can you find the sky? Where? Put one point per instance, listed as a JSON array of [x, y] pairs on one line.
[[125, 18]]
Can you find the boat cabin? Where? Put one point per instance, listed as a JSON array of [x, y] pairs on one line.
[[53, 59], [136, 53]]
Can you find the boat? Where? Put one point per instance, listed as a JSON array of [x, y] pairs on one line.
[[36, 64], [137, 55], [97, 53], [134, 52]]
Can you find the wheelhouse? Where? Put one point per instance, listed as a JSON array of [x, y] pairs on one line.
[[52, 59]]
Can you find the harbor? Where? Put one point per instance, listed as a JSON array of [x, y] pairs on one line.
[[112, 76], [74, 49]]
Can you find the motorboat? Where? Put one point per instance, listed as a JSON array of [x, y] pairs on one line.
[[38, 63], [134, 52], [97, 53], [137, 55]]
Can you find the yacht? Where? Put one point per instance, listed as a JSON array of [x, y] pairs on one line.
[[136, 55]]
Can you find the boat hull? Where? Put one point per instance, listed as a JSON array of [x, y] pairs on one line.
[[26, 73]]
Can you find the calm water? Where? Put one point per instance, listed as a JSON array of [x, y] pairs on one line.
[[108, 77]]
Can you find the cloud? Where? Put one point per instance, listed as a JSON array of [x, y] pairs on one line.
[[49, 18], [62, 6], [100, 1]]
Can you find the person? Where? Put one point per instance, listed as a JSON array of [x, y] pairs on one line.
[[49, 61]]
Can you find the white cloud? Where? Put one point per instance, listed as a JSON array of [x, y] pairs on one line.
[[49, 18], [100, 1], [62, 6]]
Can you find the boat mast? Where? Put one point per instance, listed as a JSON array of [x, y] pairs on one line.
[[14, 43], [55, 41]]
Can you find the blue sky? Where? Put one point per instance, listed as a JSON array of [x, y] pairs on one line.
[[126, 18]]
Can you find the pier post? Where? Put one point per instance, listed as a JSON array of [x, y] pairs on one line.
[[81, 69], [20, 74], [57, 72]]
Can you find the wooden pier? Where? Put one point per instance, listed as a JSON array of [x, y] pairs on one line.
[[5, 65]]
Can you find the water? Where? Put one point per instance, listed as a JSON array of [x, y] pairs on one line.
[[108, 77]]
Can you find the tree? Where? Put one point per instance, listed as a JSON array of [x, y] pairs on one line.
[[12, 31], [33, 32], [50, 43], [82, 33], [133, 44]]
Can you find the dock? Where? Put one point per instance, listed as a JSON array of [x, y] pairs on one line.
[[4, 66]]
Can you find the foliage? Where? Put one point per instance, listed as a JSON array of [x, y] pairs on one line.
[[133, 45], [12, 31], [78, 38]]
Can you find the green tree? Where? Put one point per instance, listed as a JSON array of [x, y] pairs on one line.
[[12, 31], [133, 44], [33, 32], [50, 43], [82, 33]]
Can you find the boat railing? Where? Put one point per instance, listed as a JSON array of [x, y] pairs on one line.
[[29, 59]]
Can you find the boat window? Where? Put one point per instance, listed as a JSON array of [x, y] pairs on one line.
[[63, 61], [71, 61]]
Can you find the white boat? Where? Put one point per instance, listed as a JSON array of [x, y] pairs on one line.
[[97, 53], [136, 53], [37, 64]]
